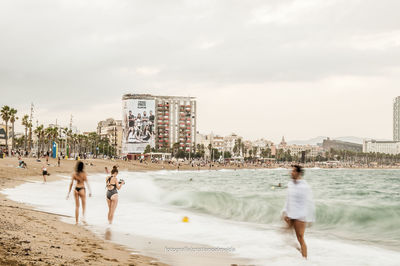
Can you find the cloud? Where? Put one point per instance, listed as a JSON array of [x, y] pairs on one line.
[[69, 55], [147, 71]]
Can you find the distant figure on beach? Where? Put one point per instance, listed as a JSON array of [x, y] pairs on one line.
[[79, 192], [22, 164], [299, 208], [106, 170], [113, 186], [44, 173], [58, 161]]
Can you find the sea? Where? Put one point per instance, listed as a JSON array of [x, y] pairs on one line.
[[239, 212]]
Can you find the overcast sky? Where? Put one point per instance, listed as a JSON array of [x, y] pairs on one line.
[[258, 68]]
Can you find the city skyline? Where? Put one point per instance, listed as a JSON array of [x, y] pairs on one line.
[[78, 123], [248, 77]]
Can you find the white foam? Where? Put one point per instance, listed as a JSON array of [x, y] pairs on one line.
[[142, 211]]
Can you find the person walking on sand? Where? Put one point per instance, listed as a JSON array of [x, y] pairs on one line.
[[299, 208], [44, 173], [113, 186], [79, 192]]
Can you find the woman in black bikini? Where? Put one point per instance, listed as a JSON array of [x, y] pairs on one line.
[[79, 192], [112, 192]]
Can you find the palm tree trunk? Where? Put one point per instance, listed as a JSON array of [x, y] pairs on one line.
[[26, 136], [12, 139], [8, 150], [30, 139]]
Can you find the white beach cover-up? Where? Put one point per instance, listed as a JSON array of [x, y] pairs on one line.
[[299, 202]]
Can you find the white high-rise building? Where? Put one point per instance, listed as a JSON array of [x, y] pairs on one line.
[[396, 119], [158, 121], [387, 147]]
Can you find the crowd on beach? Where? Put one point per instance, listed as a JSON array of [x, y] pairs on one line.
[[196, 163]]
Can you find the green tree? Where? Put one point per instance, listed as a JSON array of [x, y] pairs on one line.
[[13, 118], [227, 155], [25, 123], [215, 154], [181, 154], [148, 149], [255, 150], [30, 135], [5, 115], [39, 131]]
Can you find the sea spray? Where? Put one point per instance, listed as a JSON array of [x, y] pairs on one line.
[[357, 212]]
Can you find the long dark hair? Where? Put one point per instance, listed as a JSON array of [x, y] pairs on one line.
[[79, 167], [114, 170]]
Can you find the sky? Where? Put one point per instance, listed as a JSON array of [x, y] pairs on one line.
[[268, 69]]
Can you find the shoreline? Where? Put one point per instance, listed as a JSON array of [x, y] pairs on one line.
[[32, 236], [29, 236]]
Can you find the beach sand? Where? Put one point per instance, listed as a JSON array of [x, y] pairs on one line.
[[32, 237]]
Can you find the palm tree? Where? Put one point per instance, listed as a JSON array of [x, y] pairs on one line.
[[5, 115], [39, 131], [48, 132], [74, 138], [52, 135], [255, 150], [80, 139], [30, 135], [13, 118], [25, 123], [93, 137], [65, 131]]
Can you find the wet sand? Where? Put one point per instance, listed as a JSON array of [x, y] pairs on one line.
[[32, 237]]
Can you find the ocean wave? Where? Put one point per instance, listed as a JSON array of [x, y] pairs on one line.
[[378, 221]]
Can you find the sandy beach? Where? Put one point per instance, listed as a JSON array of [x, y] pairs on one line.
[[32, 237]]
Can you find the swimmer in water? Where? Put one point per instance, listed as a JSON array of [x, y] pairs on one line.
[[299, 208]]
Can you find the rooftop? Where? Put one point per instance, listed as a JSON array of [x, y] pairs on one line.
[[152, 97]]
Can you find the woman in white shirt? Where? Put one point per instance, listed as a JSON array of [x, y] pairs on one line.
[[299, 208]]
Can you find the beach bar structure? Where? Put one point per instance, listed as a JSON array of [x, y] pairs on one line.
[[173, 121]]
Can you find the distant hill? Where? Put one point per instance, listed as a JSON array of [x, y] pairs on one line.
[[351, 139], [312, 141], [319, 139]]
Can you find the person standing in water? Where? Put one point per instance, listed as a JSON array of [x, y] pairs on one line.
[[113, 186], [299, 208], [79, 192]]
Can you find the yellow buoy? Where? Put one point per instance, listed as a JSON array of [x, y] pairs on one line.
[[185, 219], [272, 187]]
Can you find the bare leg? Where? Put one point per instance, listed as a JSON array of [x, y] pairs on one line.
[[76, 195], [114, 203], [82, 195], [299, 228], [44, 178], [109, 209], [288, 221]]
